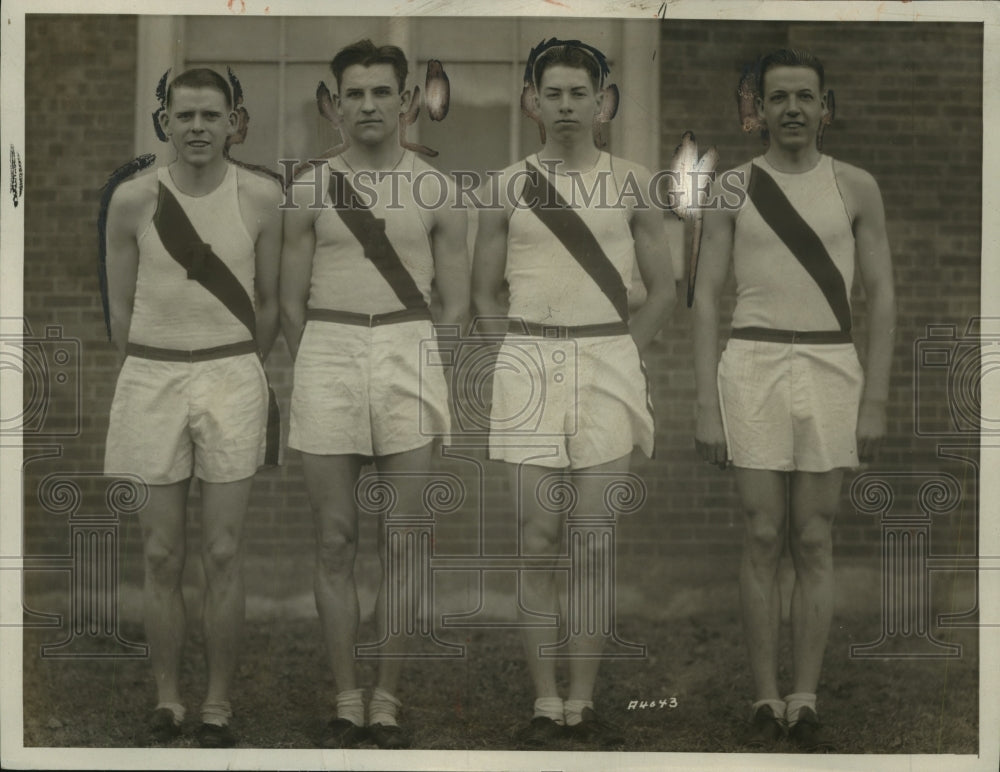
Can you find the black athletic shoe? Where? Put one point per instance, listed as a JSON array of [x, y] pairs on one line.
[[766, 729], [807, 733], [389, 736], [593, 729], [215, 736], [162, 727], [540, 731], [341, 733]]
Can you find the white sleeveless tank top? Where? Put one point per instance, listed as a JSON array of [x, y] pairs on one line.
[[343, 278], [547, 283], [173, 311], [773, 289]]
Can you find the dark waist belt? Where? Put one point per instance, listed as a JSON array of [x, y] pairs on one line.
[[791, 336], [366, 320], [519, 327], [197, 355]]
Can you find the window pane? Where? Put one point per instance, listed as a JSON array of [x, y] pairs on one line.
[[230, 38], [475, 134], [320, 37], [463, 38], [307, 133]]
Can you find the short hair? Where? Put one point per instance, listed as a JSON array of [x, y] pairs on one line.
[[569, 54], [366, 53], [787, 57], [201, 77]]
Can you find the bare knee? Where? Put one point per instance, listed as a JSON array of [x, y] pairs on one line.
[[811, 543], [335, 551], [764, 535], [164, 563], [221, 557]]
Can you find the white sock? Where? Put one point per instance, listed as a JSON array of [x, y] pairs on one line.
[[351, 706], [550, 707], [777, 707], [217, 713], [382, 708], [574, 710], [176, 708], [796, 702]]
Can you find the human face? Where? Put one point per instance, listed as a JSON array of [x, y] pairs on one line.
[[198, 122], [369, 103], [567, 103], [792, 106]]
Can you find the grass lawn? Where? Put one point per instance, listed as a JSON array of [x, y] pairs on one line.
[[283, 693]]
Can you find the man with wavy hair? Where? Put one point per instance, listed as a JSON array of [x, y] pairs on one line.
[[789, 405], [356, 278]]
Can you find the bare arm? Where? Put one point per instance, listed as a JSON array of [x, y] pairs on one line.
[[653, 259], [123, 262], [451, 262], [488, 265], [267, 250], [298, 246], [875, 267], [713, 267]]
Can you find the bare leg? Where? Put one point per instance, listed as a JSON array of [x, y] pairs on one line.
[[330, 481], [815, 498], [763, 495], [590, 491], [224, 508], [540, 535], [408, 473], [162, 523]]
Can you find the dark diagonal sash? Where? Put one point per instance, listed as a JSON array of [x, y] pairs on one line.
[[184, 245], [782, 217], [567, 226], [369, 230]]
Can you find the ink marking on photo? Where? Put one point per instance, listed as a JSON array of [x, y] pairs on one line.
[[16, 176]]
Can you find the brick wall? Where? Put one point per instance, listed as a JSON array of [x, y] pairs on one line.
[[79, 108], [908, 111]]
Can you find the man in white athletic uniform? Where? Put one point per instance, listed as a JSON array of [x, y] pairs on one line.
[[568, 267], [789, 404], [193, 253], [355, 290]]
